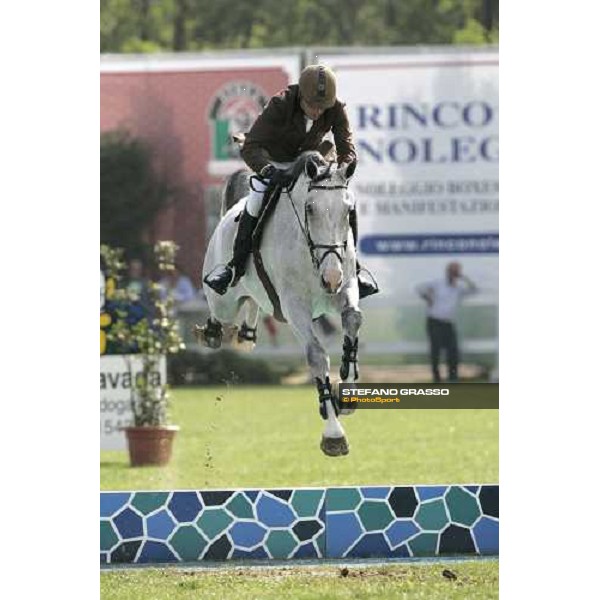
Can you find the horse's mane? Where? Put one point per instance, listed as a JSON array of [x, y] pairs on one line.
[[299, 165]]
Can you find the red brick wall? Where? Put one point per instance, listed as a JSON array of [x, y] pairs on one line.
[[170, 111]]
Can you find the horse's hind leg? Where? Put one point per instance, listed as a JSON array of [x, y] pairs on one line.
[[220, 327], [210, 334], [246, 335]]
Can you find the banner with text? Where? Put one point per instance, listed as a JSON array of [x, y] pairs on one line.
[[426, 131]]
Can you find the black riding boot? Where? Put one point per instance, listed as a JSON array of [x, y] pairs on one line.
[[365, 287], [221, 278]]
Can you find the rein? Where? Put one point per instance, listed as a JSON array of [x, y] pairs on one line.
[[336, 249]]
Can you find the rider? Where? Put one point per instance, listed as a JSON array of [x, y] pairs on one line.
[[295, 120]]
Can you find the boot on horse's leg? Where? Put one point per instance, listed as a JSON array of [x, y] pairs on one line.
[[211, 335], [330, 445], [365, 287], [222, 277]]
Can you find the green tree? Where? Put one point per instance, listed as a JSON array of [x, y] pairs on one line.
[[131, 192], [151, 25]]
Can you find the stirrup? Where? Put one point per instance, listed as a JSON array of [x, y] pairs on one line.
[[219, 279], [366, 287]]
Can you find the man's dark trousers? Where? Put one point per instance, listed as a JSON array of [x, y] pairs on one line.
[[442, 335]]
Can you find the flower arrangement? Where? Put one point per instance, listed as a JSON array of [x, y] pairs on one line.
[[144, 326]]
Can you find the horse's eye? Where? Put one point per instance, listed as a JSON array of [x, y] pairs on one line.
[[309, 209]]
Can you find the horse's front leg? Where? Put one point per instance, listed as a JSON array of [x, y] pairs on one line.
[[333, 441], [351, 322]]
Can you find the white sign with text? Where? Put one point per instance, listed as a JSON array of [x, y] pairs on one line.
[[426, 130], [117, 380]]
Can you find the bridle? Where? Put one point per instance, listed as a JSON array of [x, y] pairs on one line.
[[337, 249]]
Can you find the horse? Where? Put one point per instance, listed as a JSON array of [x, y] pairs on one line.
[[308, 252]]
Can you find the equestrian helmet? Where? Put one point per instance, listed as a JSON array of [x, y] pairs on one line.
[[317, 86]]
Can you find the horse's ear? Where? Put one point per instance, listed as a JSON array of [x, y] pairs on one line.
[[312, 169], [350, 169]]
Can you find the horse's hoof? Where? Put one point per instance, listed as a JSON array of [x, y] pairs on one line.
[[335, 446], [346, 411]]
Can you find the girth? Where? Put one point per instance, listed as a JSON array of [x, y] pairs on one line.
[[271, 198]]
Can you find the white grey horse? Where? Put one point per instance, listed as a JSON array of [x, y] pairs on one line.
[[308, 253]]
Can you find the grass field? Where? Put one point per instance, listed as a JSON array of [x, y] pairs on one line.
[[475, 580], [269, 437]]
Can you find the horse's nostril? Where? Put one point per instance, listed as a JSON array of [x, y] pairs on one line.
[[331, 288]]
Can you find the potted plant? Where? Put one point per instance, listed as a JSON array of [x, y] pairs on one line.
[[145, 337]]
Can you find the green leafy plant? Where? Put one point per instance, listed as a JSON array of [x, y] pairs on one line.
[[152, 336]]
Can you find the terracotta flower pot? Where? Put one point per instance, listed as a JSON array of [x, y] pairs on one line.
[[150, 445]]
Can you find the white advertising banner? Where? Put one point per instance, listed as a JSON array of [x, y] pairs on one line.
[[117, 380], [426, 130]]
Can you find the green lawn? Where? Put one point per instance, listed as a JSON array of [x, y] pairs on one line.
[[269, 437], [475, 580]]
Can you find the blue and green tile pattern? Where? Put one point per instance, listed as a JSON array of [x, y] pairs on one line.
[[349, 522], [411, 521], [186, 526]]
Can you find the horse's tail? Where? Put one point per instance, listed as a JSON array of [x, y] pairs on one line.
[[237, 187]]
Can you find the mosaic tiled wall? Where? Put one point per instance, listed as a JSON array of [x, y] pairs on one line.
[[147, 527], [353, 522], [411, 521]]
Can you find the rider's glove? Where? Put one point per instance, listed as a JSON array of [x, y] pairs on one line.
[[267, 172], [275, 175]]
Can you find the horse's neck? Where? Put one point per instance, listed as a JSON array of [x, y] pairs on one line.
[[298, 198], [285, 232], [290, 207]]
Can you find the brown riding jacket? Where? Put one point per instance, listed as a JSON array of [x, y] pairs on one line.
[[279, 133]]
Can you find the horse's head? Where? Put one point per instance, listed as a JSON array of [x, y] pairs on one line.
[[325, 219]]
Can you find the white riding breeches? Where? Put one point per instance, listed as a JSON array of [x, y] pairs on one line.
[[255, 198]]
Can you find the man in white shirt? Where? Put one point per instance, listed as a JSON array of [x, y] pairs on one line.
[[443, 298]]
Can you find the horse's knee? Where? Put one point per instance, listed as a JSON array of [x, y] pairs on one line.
[[351, 319], [316, 357]]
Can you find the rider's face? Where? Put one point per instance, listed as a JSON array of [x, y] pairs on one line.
[[310, 110]]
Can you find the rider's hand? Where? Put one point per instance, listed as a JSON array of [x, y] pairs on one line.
[[268, 171], [275, 175]]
